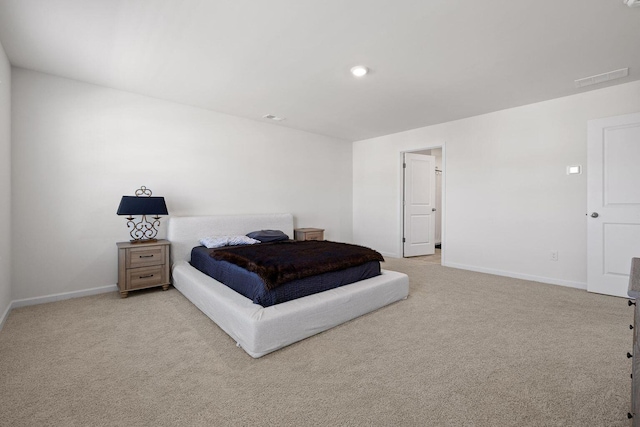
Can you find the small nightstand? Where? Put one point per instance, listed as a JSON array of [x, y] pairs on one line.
[[143, 265], [309, 233]]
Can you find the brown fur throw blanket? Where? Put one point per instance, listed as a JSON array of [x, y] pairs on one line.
[[281, 262]]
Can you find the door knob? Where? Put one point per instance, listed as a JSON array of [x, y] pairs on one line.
[[595, 215]]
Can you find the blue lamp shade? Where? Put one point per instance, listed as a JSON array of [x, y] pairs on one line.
[[133, 205]]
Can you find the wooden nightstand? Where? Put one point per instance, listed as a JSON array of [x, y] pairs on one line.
[[309, 233], [143, 265]]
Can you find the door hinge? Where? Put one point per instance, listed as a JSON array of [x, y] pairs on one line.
[[404, 165], [404, 240]]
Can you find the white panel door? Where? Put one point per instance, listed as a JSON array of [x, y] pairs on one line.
[[613, 202], [419, 205]]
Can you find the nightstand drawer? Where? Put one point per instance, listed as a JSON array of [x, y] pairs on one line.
[[143, 257], [308, 234], [314, 235], [145, 277]]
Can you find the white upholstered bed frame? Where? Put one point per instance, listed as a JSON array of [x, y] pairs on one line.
[[261, 330]]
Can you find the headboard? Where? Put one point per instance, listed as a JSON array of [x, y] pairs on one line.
[[184, 232]]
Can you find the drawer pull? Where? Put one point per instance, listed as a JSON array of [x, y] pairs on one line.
[[146, 256], [629, 355], [631, 303], [151, 275]]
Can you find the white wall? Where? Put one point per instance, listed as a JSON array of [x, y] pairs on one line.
[[5, 183], [508, 201], [77, 148]]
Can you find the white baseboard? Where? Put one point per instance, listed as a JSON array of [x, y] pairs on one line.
[[55, 297], [549, 280], [4, 316], [112, 288], [389, 254], [65, 295]]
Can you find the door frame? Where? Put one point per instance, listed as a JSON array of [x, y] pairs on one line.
[[400, 212]]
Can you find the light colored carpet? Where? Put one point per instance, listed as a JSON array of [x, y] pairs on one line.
[[466, 349]]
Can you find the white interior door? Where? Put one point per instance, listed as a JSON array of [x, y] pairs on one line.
[[613, 202], [419, 205]]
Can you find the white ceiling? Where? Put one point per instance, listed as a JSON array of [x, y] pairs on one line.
[[432, 61]]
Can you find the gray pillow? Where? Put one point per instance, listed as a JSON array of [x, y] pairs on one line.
[[268, 235]]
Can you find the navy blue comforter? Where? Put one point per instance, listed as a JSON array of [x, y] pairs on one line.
[[253, 287]]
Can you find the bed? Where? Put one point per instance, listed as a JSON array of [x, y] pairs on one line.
[[261, 330]]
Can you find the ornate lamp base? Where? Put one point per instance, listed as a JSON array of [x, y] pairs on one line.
[[143, 231]]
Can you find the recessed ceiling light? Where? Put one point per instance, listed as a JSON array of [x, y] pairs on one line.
[[359, 70], [272, 117]]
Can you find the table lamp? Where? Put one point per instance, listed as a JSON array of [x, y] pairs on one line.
[[143, 231]]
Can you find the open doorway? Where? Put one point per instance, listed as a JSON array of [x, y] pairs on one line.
[[422, 204]]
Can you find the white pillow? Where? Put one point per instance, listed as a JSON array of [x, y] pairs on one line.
[[219, 241], [241, 240], [214, 241]]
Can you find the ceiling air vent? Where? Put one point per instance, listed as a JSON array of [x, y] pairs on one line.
[[272, 117], [601, 78]]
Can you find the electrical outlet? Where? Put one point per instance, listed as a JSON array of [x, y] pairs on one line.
[[553, 255]]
